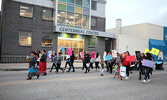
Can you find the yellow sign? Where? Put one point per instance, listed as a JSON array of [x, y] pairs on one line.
[[147, 50], [155, 51]]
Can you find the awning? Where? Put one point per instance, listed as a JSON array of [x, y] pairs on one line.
[[157, 42]]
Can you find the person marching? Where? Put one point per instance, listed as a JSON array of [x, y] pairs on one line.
[[59, 58], [71, 62], [42, 63], [127, 64], [54, 59], [33, 70], [118, 62], [87, 61], [97, 60], [102, 68], [148, 70], [67, 61], [141, 67]]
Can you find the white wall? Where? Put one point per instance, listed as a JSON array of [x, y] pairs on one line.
[[100, 12], [132, 44], [155, 32], [44, 3]]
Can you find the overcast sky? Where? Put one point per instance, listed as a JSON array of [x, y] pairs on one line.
[[136, 11]]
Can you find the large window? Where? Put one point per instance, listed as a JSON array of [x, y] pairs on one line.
[[70, 1], [94, 5], [47, 40], [91, 42], [86, 3], [26, 10], [61, 17], [25, 38], [86, 21], [70, 18], [78, 19], [47, 14], [94, 22]]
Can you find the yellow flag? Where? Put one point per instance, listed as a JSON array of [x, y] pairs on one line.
[[147, 50], [155, 51]]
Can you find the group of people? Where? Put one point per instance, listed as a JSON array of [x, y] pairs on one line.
[[37, 64]]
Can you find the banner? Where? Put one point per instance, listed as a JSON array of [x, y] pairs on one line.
[[109, 57], [148, 63], [69, 51], [155, 51], [147, 50], [93, 55], [82, 55], [114, 53], [49, 54], [130, 58], [123, 71], [63, 49]]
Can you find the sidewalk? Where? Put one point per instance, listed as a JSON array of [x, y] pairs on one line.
[[24, 66]]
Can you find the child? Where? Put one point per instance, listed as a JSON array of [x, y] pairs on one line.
[[102, 68], [117, 67]]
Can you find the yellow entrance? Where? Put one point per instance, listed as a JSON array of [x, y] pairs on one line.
[[74, 41]]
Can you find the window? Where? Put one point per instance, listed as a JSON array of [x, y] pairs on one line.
[[94, 5], [94, 22], [86, 3], [70, 1], [86, 21], [47, 14], [91, 42], [61, 17], [47, 40], [25, 38], [79, 2], [78, 19], [26, 10], [70, 18]]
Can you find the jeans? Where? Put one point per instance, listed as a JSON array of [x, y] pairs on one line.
[[97, 65], [127, 70], [71, 66], [147, 71]]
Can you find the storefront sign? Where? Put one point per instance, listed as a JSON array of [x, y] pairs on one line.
[[83, 32]]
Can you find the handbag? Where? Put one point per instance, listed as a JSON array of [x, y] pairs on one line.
[[87, 64]]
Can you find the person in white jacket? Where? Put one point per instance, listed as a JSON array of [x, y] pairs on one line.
[[98, 59]]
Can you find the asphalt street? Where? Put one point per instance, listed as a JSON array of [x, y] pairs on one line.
[[80, 86]]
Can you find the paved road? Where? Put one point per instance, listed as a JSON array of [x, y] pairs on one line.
[[80, 86]]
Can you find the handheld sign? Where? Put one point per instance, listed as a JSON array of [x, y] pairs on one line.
[[69, 51], [114, 53], [93, 55], [159, 62], [109, 57], [147, 50], [148, 63], [130, 58], [123, 71], [63, 49], [155, 51], [81, 53]]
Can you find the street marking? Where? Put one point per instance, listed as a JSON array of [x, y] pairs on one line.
[[52, 80]]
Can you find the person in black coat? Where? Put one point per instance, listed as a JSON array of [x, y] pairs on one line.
[[87, 61], [71, 62]]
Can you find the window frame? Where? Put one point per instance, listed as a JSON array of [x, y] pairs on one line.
[[95, 23], [26, 5], [94, 38], [19, 39], [94, 7], [43, 14], [44, 34]]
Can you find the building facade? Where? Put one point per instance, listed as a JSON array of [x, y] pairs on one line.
[[29, 25], [141, 36]]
